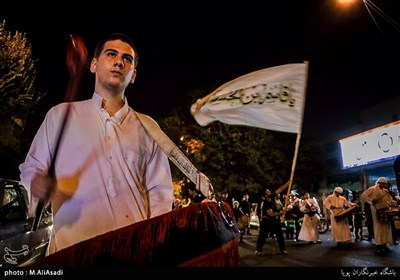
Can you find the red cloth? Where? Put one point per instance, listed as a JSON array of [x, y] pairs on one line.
[[197, 235]]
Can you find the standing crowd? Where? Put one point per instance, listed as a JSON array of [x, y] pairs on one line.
[[377, 206]]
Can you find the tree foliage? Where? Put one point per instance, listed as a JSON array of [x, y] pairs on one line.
[[17, 96], [241, 159]]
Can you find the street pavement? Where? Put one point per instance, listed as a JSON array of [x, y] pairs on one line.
[[325, 255]]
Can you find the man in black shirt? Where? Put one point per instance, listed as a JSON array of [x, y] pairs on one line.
[[271, 211]]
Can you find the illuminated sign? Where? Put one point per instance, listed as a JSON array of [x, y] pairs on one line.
[[375, 145]]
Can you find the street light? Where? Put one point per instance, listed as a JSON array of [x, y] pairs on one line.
[[347, 2]]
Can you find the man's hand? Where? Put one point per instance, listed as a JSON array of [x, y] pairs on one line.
[[43, 186]]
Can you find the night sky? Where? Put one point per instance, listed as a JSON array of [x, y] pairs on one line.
[[353, 60]]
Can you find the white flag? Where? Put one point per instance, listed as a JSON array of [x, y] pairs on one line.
[[271, 98]]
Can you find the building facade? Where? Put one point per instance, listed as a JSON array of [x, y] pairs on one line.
[[359, 178]]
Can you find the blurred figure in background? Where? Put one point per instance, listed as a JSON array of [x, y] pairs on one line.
[[195, 195], [292, 219], [241, 219], [226, 198], [358, 216], [309, 228], [369, 223], [395, 198], [245, 207], [177, 204]]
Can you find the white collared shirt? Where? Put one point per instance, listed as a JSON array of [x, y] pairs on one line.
[[115, 173]]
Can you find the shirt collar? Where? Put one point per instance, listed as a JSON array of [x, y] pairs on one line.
[[119, 116]]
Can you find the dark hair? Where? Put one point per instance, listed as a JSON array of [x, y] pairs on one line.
[[116, 36]]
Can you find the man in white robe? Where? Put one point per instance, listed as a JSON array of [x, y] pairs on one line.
[[309, 228], [379, 198], [335, 203]]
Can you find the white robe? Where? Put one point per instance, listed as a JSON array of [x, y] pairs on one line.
[[382, 228], [340, 227], [309, 227]]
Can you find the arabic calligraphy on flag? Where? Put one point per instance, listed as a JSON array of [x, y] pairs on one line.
[[271, 98]]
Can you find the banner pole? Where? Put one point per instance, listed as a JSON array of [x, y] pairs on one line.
[[296, 148]]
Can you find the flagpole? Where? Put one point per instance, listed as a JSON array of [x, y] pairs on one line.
[[296, 146]]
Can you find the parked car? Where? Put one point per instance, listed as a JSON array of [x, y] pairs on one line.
[[20, 245]]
